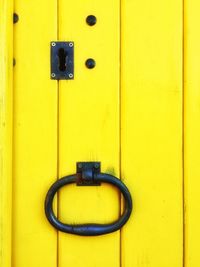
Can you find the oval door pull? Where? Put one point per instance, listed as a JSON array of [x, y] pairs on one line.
[[91, 176]]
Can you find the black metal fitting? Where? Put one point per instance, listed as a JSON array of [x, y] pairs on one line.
[[15, 18], [62, 60], [90, 63], [91, 20], [87, 173]]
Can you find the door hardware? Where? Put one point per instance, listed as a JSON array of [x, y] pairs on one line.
[[62, 60], [91, 20], [90, 63], [15, 18], [88, 173]]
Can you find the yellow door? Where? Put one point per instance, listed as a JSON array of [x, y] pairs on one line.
[[191, 132], [123, 104]]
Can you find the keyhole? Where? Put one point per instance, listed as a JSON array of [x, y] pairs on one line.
[[62, 55]]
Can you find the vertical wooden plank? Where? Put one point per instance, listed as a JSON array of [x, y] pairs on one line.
[[192, 131], [35, 133], [152, 131], [89, 129], [6, 77]]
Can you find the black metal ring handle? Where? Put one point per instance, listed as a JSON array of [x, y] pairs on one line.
[[90, 229]]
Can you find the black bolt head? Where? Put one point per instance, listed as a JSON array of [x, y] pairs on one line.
[[90, 63], [15, 18], [91, 20]]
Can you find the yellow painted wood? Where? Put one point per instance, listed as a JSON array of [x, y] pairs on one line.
[[6, 68], [35, 133], [152, 132], [192, 132], [89, 129]]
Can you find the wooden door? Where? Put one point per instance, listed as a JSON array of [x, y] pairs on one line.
[[131, 112]]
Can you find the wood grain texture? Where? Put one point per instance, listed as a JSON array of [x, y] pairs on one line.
[[192, 131], [152, 132], [35, 133], [6, 89], [89, 129]]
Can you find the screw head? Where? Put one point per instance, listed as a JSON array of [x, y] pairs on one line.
[[96, 165], [71, 44], [91, 20], [90, 63], [53, 75], [53, 44], [80, 165], [71, 75]]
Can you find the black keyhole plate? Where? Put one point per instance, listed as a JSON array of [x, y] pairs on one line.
[[62, 60]]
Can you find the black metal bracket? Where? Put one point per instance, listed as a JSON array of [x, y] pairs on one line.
[[86, 172], [62, 60]]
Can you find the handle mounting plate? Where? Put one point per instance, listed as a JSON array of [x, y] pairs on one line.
[[86, 172]]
